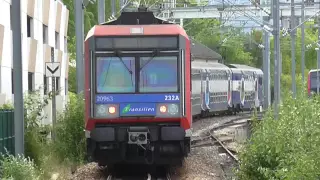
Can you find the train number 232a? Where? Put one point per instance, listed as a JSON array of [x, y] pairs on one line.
[[171, 98]]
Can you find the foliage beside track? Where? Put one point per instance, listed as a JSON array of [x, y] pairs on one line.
[[42, 155], [70, 137], [286, 148]]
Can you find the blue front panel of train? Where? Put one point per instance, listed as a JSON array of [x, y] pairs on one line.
[[138, 109], [138, 104], [137, 98]]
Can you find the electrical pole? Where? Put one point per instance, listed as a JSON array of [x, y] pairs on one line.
[[277, 62], [78, 8], [17, 78], [266, 68], [318, 54], [101, 11], [113, 7], [54, 113], [302, 42], [293, 50]]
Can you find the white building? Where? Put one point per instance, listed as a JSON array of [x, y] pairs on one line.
[[44, 24]]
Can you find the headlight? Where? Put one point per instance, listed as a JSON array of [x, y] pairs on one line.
[[106, 110], [168, 110], [173, 109]]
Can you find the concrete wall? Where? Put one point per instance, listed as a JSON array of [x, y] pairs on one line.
[[35, 46]]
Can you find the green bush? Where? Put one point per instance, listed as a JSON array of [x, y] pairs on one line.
[[35, 132], [286, 148], [7, 106], [16, 168], [70, 137]]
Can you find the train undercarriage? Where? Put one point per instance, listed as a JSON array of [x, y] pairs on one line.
[[164, 144]]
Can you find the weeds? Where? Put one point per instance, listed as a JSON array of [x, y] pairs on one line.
[[286, 148], [44, 155], [16, 168], [70, 140]]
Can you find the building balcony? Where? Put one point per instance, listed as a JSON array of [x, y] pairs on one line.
[[30, 7], [46, 5], [32, 54], [58, 15]]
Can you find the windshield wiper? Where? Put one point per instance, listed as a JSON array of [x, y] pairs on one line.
[[119, 56], [117, 53], [154, 54]]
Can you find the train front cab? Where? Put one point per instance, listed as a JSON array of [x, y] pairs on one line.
[[128, 114]]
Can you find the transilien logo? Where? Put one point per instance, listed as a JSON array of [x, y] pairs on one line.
[[126, 109]]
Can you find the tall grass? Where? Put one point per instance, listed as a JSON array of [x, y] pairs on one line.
[[286, 148]]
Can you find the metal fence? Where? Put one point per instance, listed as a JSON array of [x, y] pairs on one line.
[[6, 131]]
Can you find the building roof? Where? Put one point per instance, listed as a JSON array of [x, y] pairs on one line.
[[201, 51]]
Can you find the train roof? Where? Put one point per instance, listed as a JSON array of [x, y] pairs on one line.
[[245, 67], [202, 64], [314, 70], [201, 51], [142, 19]]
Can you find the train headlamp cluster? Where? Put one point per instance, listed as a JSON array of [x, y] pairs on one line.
[[113, 111], [107, 110]]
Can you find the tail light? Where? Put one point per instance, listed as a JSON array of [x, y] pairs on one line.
[[309, 84]]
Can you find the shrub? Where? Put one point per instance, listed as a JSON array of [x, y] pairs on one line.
[[286, 148], [35, 132], [7, 106], [15, 168], [70, 138]]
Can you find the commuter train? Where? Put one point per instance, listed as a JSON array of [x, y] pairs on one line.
[[312, 82], [142, 89]]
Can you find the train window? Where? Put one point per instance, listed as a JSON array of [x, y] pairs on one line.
[[137, 42], [159, 75], [260, 80], [115, 75]]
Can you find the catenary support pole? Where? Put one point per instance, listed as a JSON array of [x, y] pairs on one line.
[[302, 42], [101, 11], [79, 44], [17, 78], [54, 113], [318, 54], [266, 68], [113, 7], [277, 61], [293, 50]]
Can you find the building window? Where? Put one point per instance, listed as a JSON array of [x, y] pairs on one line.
[[65, 44], [66, 86], [57, 40], [12, 85], [57, 84], [11, 17], [29, 26], [45, 34], [45, 84], [30, 81]]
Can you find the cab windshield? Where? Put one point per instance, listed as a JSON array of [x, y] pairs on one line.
[[115, 74], [158, 74]]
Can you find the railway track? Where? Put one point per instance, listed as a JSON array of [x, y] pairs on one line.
[[128, 173], [209, 139]]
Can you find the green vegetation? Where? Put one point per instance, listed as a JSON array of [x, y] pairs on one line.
[[287, 148], [44, 156], [14, 168]]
